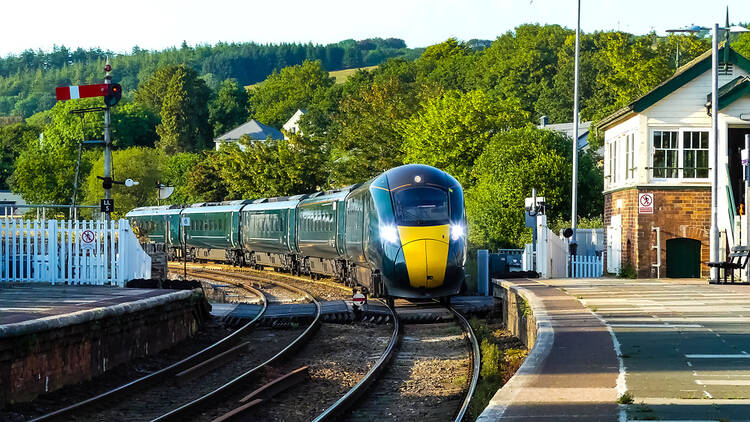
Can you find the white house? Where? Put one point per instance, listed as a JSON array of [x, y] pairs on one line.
[[657, 183], [292, 125]]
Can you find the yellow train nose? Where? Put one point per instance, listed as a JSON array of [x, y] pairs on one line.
[[426, 254]]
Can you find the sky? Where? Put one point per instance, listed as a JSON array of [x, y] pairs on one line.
[[157, 24]]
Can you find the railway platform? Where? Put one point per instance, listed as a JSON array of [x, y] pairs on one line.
[[572, 370], [343, 310], [55, 335]]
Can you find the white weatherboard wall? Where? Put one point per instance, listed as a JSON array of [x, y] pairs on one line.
[[72, 252]]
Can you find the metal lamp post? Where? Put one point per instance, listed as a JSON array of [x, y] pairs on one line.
[[574, 212]]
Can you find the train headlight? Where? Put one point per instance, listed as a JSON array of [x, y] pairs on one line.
[[457, 231], [389, 233]]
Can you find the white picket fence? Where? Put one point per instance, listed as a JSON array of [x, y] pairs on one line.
[[72, 252], [586, 266]]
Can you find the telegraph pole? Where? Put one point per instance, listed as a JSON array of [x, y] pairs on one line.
[[107, 146]]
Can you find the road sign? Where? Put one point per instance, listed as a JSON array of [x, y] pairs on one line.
[[88, 239], [185, 221], [645, 203], [107, 205], [359, 299]]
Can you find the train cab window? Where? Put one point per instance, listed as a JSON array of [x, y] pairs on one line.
[[421, 206]]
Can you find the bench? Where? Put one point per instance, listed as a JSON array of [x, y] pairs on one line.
[[738, 258]]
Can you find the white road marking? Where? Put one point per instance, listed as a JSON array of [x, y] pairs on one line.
[[722, 382], [718, 356], [657, 325]]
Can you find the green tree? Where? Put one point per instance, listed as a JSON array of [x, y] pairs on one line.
[[180, 98], [137, 163], [184, 117], [13, 140], [254, 172], [133, 124], [275, 100], [203, 181], [446, 65], [45, 169], [452, 131], [513, 163], [521, 64], [229, 108], [175, 171], [369, 138]]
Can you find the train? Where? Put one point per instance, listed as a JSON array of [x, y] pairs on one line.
[[401, 234]]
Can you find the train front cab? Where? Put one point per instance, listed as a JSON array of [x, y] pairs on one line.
[[422, 230]]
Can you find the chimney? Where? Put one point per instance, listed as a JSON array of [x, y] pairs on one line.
[[543, 121]]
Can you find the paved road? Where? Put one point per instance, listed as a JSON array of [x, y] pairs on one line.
[[685, 347]]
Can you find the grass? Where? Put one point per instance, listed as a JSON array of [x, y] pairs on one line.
[[498, 366], [342, 75], [625, 398]]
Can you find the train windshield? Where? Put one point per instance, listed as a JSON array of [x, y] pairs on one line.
[[421, 206]]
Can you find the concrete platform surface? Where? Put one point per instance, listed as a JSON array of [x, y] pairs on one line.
[[27, 308], [572, 371], [685, 347]]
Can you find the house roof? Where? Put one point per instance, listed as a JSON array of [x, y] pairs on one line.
[[567, 128], [683, 75], [252, 129], [731, 91]]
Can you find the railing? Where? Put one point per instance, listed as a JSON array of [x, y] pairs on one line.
[[586, 266], [72, 252]]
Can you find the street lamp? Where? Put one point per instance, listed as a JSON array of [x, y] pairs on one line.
[[691, 30], [573, 248], [714, 233]]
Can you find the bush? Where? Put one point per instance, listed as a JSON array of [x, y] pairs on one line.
[[490, 360], [627, 271]]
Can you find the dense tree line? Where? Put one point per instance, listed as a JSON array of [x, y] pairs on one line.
[[468, 108], [28, 80]]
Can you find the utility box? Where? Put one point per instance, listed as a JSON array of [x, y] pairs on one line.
[[483, 272]]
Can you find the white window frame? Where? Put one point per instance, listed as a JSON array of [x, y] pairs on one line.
[[630, 156], [680, 153], [612, 151]]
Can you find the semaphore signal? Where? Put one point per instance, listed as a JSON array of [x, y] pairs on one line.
[[111, 92]]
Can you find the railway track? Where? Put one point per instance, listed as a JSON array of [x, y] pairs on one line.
[[143, 398], [414, 387], [389, 399]]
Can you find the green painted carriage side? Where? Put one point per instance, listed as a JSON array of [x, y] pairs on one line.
[[317, 222], [266, 230], [212, 230]]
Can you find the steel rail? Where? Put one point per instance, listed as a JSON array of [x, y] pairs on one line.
[[185, 411], [476, 362], [163, 373], [347, 400]]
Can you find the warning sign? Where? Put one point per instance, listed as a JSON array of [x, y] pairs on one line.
[[645, 203], [88, 239]]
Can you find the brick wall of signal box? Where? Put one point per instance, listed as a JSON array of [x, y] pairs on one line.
[[677, 212]]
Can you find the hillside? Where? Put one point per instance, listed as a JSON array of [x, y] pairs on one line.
[[28, 80]]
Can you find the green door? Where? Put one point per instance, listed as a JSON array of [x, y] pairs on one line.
[[683, 258]]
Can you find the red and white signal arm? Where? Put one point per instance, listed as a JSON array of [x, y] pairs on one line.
[[359, 299], [80, 91]]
